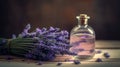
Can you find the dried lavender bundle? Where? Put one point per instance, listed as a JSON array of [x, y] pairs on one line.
[[41, 44]]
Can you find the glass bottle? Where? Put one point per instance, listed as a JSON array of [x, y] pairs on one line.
[[82, 39]]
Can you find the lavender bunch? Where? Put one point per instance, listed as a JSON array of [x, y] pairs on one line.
[[42, 44]]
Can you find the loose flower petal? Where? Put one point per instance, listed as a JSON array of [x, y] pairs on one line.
[[59, 64], [76, 62], [106, 54], [39, 63], [99, 60]]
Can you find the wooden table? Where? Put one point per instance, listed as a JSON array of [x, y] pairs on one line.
[[112, 47]]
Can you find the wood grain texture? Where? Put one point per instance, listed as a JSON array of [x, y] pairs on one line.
[[107, 44], [112, 47]]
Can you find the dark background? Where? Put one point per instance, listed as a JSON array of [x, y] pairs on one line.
[[105, 15]]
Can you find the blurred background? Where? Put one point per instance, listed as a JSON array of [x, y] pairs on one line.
[[105, 16]]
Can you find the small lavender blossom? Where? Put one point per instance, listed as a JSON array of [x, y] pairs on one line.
[[52, 29], [28, 26], [39, 63], [57, 29], [61, 38], [44, 29], [106, 54], [76, 62], [25, 31], [64, 32], [99, 60], [59, 64], [38, 32]]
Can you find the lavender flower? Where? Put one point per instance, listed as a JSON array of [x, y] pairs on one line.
[[99, 60], [27, 28], [59, 64], [41, 44], [52, 29], [106, 54], [44, 30], [25, 31], [76, 62], [38, 32], [39, 63]]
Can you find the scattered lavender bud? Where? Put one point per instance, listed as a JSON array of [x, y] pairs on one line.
[[39, 63], [59, 64], [98, 51], [76, 62], [98, 60], [107, 55]]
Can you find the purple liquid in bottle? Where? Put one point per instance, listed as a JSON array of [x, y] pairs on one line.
[[83, 45]]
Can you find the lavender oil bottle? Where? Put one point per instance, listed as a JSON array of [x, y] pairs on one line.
[[82, 39]]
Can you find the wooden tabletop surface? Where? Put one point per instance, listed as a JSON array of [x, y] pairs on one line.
[[110, 46]]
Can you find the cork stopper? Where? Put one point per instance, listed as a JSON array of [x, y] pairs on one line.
[[82, 19], [83, 16]]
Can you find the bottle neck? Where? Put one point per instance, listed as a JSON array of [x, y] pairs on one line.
[[82, 22]]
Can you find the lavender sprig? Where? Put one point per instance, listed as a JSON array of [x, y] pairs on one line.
[[41, 44]]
